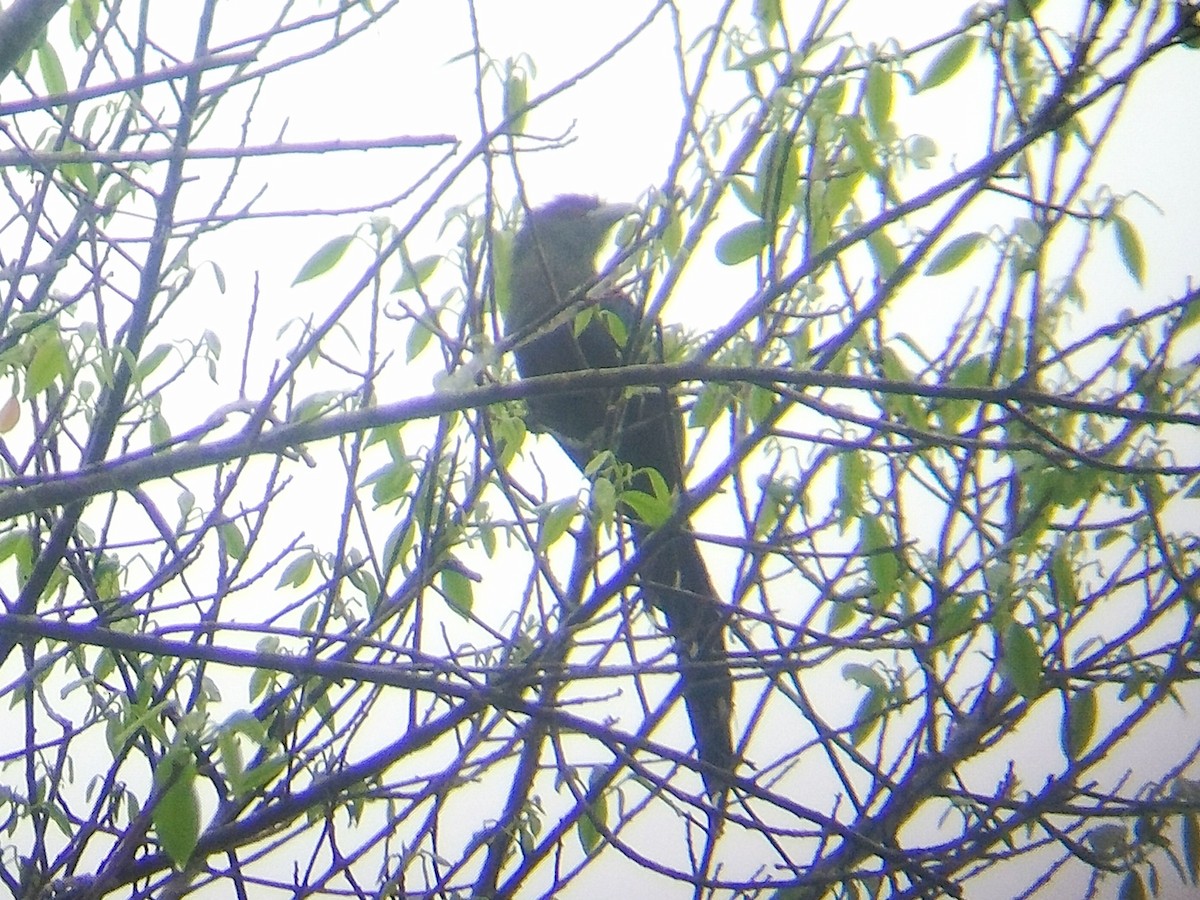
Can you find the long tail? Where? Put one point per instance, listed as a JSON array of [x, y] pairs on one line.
[[676, 581]]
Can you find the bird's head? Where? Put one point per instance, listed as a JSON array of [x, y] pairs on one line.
[[554, 254]]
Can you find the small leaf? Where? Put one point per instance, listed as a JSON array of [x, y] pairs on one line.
[[297, 571], [1019, 10], [416, 274], [1022, 661], [391, 482], [712, 400], [176, 816], [151, 361], [955, 618], [883, 565], [516, 98], [741, 243], [871, 707], [852, 474], [759, 404], [972, 373], [777, 181], [10, 414], [555, 523], [1129, 246], [1079, 724], [418, 339], [456, 587], [49, 362], [948, 62], [859, 145], [884, 252], [232, 763], [1062, 581], [232, 541], [879, 97], [324, 259], [594, 817], [955, 253], [51, 69], [311, 407], [654, 511], [160, 431], [84, 15], [767, 14]]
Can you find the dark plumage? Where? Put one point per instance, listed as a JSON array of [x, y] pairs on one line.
[[554, 261]]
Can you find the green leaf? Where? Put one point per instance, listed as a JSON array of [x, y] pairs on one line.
[[1129, 246], [594, 817], [871, 707], [746, 196], [49, 362], [760, 404], [418, 339], [1019, 10], [1022, 661], [955, 617], [15, 543], [860, 146], [711, 401], [841, 614], [654, 511], [324, 259], [905, 406], [151, 361], [390, 483], [1191, 311], [1079, 724], [950, 59], [264, 772], [875, 545], [879, 97], [1062, 581], [516, 99], [51, 69], [864, 675], [232, 763], [955, 253], [232, 542], [84, 15], [416, 274], [741, 243], [777, 181], [310, 408], [456, 587], [79, 172], [884, 252], [972, 373], [852, 474], [160, 431], [176, 816], [767, 14], [555, 523], [298, 571]]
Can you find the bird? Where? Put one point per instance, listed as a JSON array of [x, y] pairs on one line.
[[563, 321]]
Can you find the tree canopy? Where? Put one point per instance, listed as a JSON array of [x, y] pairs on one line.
[[297, 600]]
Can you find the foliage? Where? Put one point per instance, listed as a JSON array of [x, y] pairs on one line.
[[296, 604]]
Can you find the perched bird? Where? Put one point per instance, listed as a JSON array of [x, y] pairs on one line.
[[553, 267]]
